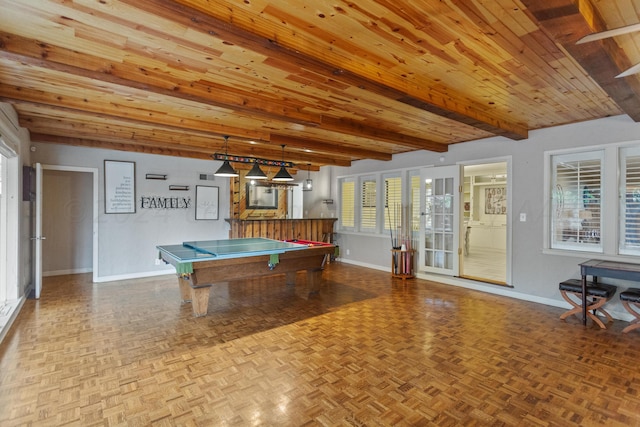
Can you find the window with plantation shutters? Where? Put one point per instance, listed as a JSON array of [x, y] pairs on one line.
[[576, 201], [347, 204], [629, 243], [368, 205], [392, 202]]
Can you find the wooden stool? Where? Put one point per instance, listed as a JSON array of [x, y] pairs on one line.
[[597, 295], [631, 297]]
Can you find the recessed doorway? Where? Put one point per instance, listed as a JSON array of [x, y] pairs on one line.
[[484, 223]]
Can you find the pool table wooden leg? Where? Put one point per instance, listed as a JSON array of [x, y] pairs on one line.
[[314, 276], [200, 300], [290, 277], [185, 289], [314, 279], [198, 296]]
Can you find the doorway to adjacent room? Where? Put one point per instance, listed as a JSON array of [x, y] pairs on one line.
[[67, 206], [484, 222]]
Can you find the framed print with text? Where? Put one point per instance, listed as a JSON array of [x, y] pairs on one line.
[[119, 187], [206, 202]]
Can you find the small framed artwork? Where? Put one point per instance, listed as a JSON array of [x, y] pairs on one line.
[[119, 187], [206, 202], [261, 197], [495, 201]]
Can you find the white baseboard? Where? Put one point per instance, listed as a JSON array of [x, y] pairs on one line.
[[364, 264]]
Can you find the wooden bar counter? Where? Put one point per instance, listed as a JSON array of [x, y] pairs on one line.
[[315, 229]]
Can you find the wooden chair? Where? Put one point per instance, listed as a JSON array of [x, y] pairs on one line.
[[597, 295], [630, 299]]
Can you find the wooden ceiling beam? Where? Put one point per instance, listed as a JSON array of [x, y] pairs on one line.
[[45, 118], [172, 140], [199, 15], [119, 146], [301, 161], [123, 111], [329, 148], [567, 21], [334, 124], [73, 120], [273, 152], [66, 121], [97, 131]]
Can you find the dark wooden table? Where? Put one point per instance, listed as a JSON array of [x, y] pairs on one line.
[[613, 269], [201, 264]]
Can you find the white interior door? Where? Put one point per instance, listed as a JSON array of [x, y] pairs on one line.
[[440, 220], [37, 235]]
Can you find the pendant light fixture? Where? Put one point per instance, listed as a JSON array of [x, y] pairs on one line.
[[226, 170], [282, 174], [256, 172], [308, 183]]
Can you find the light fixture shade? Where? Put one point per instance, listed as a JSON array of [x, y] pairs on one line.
[[226, 170], [308, 185], [282, 175], [256, 173]]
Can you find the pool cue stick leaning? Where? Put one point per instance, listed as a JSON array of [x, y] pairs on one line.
[[395, 269]]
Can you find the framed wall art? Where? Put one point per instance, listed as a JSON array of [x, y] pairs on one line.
[[261, 197], [495, 201], [206, 202], [119, 187]]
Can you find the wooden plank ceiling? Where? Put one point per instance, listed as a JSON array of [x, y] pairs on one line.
[[333, 81]]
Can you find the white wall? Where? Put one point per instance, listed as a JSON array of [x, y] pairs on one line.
[[535, 276], [127, 242], [315, 205]]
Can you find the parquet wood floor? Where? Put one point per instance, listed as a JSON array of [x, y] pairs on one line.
[[367, 351]]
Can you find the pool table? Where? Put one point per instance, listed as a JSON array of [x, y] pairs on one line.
[[199, 264]]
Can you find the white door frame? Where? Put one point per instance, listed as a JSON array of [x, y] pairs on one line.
[[37, 232], [94, 172]]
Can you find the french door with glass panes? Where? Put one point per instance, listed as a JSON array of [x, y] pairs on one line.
[[440, 220]]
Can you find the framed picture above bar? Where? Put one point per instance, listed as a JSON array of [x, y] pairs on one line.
[[119, 187], [206, 202], [261, 197]]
